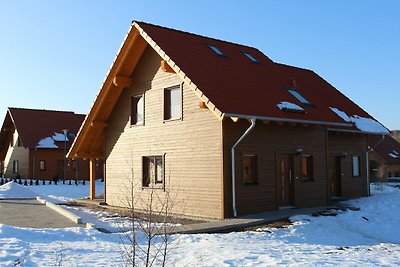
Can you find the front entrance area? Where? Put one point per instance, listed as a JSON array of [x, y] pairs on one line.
[[285, 180], [335, 176]]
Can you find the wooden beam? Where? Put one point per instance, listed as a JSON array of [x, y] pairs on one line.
[[122, 81], [280, 123], [266, 122], [235, 119], [203, 105], [98, 124], [92, 173], [292, 124], [88, 155], [165, 67]]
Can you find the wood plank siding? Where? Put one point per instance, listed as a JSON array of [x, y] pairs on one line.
[[346, 146], [268, 141], [191, 146]]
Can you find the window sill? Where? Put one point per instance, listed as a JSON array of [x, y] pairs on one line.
[[173, 119], [137, 124], [150, 187]]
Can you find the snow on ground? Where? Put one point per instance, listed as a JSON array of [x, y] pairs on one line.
[[368, 237], [14, 190]]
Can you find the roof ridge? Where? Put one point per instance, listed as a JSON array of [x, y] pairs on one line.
[[195, 34], [47, 110]]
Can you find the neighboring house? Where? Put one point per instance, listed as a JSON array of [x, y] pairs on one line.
[[33, 145], [396, 135], [174, 107], [384, 158]]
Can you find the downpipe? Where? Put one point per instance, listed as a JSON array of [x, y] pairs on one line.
[[253, 124]]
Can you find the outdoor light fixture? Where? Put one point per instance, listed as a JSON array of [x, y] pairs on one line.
[[298, 152], [343, 156]]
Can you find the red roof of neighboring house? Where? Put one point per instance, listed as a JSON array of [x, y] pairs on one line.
[[238, 86], [34, 125], [388, 149]]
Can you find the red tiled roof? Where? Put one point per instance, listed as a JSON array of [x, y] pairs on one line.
[[33, 125], [388, 149], [236, 85]]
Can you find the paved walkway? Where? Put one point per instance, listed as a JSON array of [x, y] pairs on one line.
[[240, 223], [31, 213]]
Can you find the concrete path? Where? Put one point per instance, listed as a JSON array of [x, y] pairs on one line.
[[241, 223], [31, 213]]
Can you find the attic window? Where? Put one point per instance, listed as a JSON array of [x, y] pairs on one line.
[[249, 56], [216, 50], [299, 97]]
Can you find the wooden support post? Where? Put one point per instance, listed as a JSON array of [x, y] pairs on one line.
[[92, 173]]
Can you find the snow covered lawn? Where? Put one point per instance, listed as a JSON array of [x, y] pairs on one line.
[[368, 237]]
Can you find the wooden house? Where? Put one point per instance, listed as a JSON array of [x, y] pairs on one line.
[[33, 144], [384, 158], [223, 127]]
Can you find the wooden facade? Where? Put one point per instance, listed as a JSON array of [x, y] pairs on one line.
[[191, 146]]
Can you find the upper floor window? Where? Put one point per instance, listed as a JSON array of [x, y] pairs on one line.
[[216, 50], [137, 109], [250, 169], [299, 97], [250, 56], [307, 168], [356, 166], [172, 103]]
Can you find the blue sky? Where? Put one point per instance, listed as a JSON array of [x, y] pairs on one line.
[[55, 54]]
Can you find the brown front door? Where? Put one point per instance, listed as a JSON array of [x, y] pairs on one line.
[[285, 180], [335, 175]]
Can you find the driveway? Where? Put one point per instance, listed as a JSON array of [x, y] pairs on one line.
[[31, 213]]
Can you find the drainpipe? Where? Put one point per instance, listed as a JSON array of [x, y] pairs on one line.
[[253, 124], [367, 162]]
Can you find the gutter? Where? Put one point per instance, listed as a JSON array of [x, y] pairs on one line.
[[253, 124], [367, 162], [262, 118]]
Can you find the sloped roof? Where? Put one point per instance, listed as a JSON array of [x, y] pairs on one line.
[[34, 125], [232, 85], [388, 149]]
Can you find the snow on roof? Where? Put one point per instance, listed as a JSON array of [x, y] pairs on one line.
[[362, 123], [394, 154], [60, 137], [47, 142], [14, 190], [341, 114], [284, 105]]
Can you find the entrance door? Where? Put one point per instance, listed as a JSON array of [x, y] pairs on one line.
[[285, 180], [335, 175]]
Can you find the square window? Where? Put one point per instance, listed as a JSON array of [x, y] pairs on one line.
[[153, 171], [137, 109], [216, 50], [42, 165], [15, 166], [250, 169], [250, 56], [172, 103], [356, 166], [299, 97], [307, 168]]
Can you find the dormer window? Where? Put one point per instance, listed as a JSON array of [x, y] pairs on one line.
[[250, 56], [299, 97], [216, 50]]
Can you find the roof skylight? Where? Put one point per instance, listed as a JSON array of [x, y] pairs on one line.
[[250, 56], [299, 97], [216, 50]]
